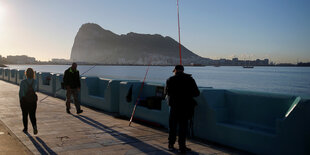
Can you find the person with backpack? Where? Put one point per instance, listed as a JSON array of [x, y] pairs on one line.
[[28, 100]]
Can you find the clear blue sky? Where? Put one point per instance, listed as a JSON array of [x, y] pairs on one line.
[[275, 29]]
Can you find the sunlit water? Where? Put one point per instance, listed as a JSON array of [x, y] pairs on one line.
[[284, 80]]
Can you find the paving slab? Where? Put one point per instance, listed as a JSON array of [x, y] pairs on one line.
[[92, 132]]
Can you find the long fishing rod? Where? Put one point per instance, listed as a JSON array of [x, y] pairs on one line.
[[61, 88], [140, 92], [141, 88], [179, 33]]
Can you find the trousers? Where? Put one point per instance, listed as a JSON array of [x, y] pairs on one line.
[[74, 93], [177, 119], [29, 109]]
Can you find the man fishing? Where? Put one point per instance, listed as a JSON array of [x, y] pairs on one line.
[[72, 84], [180, 88]]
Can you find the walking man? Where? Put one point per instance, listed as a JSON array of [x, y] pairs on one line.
[[180, 88], [72, 84]]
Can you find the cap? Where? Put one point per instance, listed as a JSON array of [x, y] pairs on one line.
[[178, 67]]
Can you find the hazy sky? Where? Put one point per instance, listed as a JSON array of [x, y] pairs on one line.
[[275, 29]]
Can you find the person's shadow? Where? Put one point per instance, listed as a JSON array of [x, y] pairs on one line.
[[40, 145], [138, 144]]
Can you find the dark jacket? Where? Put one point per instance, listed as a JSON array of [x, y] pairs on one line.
[[181, 88], [72, 78]]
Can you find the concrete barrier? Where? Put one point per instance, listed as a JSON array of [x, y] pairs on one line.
[[250, 121], [46, 82], [100, 93], [20, 76], [151, 107], [6, 76], [13, 76], [1, 73], [59, 92]]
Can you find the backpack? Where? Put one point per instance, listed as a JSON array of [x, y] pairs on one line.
[[31, 96]]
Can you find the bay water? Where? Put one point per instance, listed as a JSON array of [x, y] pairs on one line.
[[283, 80]]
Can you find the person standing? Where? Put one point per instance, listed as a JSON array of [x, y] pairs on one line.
[[72, 84], [180, 88], [28, 100]]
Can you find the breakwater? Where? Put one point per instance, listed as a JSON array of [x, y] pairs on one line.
[[261, 123]]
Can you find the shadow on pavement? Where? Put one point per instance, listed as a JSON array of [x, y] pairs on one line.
[[40, 145], [138, 144]]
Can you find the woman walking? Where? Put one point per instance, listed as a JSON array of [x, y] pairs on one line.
[[28, 100]]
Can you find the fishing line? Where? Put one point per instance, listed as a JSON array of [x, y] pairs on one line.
[[179, 33]]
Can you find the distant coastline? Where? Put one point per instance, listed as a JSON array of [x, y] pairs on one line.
[[25, 60], [194, 65]]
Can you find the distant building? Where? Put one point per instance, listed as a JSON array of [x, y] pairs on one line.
[[20, 59], [55, 60], [266, 61], [237, 62]]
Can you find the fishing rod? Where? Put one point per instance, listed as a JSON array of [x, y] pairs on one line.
[[179, 33], [61, 87], [141, 88], [140, 92]]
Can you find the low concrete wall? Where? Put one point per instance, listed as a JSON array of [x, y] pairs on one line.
[[59, 92], [20, 76], [100, 93], [1, 73], [250, 121], [6, 76], [46, 82], [151, 106], [13, 76]]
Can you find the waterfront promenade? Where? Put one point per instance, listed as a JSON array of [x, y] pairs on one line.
[[92, 132]]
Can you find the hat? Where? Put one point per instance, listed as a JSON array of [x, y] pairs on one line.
[[178, 67]]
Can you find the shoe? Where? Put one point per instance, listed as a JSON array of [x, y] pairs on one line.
[[80, 111], [171, 147], [35, 130], [25, 130], [184, 149], [68, 111]]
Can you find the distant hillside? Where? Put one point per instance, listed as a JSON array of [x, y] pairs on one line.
[[94, 44]]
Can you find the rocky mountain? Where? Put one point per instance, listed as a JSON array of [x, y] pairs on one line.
[[93, 44]]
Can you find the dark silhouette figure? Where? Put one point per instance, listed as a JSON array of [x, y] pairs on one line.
[[72, 84], [180, 88], [28, 100]]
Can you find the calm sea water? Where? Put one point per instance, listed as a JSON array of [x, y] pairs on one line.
[[284, 80]]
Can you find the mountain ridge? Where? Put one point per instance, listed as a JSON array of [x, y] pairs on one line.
[[93, 44]]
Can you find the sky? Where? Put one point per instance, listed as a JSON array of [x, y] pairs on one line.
[[248, 29]]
